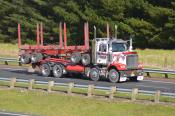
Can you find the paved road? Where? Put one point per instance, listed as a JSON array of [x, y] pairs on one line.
[[149, 85]]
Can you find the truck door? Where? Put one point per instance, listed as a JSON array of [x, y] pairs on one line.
[[102, 53]]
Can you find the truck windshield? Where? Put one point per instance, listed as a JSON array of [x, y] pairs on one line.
[[118, 47]]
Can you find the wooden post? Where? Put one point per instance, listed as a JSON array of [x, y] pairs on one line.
[[70, 86], [148, 74], [20, 64], [90, 90], [165, 62], [12, 83], [31, 82], [6, 63], [157, 96], [166, 75], [112, 91], [50, 85], [134, 94]]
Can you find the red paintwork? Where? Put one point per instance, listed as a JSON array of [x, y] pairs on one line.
[[54, 49], [84, 47], [37, 35], [76, 68], [19, 35], [118, 66], [55, 60], [41, 33], [66, 63], [128, 52]]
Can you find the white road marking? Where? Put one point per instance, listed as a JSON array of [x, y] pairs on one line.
[[12, 69], [158, 81], [152, 87], [12, 114]]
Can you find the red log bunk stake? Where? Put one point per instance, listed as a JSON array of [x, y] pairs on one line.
[[37, 35], [61, 37], [19, 36], [41, 33], [65, 37]]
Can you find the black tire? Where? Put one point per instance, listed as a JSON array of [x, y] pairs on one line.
[[85, 59], [45, 70], [25, 58], [113, 76], [75, 57], [94, 74], [35, 57], [134, 79], [34, 65], [57, 71]]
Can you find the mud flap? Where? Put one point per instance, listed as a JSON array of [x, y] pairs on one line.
[[139, 78], [123, 79]]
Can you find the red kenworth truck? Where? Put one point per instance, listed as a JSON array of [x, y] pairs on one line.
[[108, 57]]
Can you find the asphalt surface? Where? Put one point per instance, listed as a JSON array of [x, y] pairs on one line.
[[147, 85]]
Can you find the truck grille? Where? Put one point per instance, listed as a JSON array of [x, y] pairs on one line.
[[132, 61]]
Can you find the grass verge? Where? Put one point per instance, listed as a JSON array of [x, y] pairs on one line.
[[158, 58], [9, 50], [42, 103], [97, 92]]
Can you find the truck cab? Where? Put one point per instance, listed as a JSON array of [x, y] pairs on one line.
[[108, 49], [114, 54]]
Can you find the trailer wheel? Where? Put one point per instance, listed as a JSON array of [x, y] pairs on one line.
[[25, 58], [45, 70], [75, 57], [94, 74], [57, 71], [85, 59], [113, 76], [35, 57]]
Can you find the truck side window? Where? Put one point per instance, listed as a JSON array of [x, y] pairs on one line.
[[102, 48]]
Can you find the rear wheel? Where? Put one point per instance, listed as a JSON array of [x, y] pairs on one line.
[[113, 76], [57, 71], [35, 57], [94, 74], [85, 59], [75, 57], [25, 58], [45, 70]]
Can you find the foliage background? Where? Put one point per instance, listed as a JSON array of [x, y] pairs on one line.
[[150, 22]]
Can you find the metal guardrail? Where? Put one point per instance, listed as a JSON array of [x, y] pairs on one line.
[[6, 60], [152, 93], [166, 72]]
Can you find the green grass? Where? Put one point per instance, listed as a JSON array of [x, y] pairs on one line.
[[83, 91], [170, 76], [157, 58], [44, 104], [8, 50]]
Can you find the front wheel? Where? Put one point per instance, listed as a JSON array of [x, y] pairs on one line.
[[113, 76], [57, 71], [94, 74], [45, 70]]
